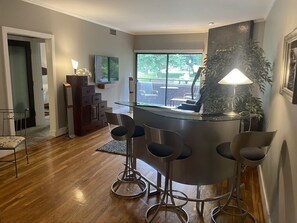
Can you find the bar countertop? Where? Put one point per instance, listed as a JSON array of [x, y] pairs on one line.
[[175, 113]]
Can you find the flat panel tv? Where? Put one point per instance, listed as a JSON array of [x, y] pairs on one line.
[[106, 69], [113, 69], [101, 69]]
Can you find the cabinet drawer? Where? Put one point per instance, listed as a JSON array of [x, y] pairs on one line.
[[96, 98], [102, 115], [86, 100], [88, 90], [76, 80], [83, 80], [104, 122], [102, 105], [92, 127], [108, 109]]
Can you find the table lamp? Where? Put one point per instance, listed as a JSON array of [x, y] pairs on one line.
[[74, 65], [235, 77]]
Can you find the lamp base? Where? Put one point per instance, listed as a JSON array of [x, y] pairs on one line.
[[231, 113]]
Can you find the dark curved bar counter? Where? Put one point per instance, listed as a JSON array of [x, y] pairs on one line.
[[201, 132]]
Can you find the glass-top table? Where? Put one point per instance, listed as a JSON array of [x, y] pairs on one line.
[[176, 113]]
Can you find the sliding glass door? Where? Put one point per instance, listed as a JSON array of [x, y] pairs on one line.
[[166, 79]]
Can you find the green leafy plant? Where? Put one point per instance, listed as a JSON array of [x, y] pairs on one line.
[[249, 58]]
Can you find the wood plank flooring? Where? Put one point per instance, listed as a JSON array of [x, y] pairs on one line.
[[67, 181]]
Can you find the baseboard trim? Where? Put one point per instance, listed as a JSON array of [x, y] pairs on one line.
[[59, 132], [263, 193]]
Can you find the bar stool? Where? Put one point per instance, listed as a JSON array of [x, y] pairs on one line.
[[129, 183], [164, 147], [246, 149]]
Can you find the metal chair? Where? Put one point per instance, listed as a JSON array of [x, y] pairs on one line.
[[246, 149], [147, 92], [129, 183], [165, 147], [13, 133]]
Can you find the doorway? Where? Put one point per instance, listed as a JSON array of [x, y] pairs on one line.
[[21, 78], [44, 80], [50, 58]]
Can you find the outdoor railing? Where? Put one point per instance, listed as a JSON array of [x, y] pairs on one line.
[[170, 80]]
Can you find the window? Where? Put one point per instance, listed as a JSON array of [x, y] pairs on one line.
[[166, 79]]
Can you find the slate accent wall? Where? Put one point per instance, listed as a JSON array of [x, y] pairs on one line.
[[223, 37]]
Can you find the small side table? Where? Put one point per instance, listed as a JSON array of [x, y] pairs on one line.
[[174, 100]]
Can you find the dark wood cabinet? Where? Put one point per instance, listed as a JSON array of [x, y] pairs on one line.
[[88, 106]]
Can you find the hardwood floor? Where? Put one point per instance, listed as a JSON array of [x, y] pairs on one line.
[[67, 181]]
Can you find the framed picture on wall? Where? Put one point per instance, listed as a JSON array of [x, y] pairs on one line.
[[289, 86]]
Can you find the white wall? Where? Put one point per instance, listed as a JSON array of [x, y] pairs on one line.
[[280, 168]]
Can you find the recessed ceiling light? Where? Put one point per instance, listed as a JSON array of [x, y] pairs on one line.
[[211, 23]]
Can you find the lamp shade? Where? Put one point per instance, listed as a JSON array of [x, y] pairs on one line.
[[235, 77], [195, 68], [74, 64]]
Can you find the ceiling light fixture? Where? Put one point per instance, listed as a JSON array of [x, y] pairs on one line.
[[211, 23]]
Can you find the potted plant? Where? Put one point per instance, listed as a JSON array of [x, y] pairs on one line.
[[249, 58]]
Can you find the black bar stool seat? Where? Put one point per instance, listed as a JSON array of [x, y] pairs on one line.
[[166, 147], [246, 149], [129, 183]]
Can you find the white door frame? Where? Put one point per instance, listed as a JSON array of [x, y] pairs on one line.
[[50, 57]]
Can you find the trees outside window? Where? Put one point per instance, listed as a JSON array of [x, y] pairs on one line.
[[163, 78]]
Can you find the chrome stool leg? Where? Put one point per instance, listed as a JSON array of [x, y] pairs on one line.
[[164, 205], [129, 184], [165, 147], [200, 204], [246, 149], [238, 210]]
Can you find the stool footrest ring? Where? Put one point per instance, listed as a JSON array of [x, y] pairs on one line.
[[184, 197], [180, 213], [130, 186], [232, 211]]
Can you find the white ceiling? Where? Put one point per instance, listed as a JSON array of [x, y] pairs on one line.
[[161, 16]]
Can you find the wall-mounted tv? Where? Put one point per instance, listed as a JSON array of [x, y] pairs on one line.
[[106, 69]]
